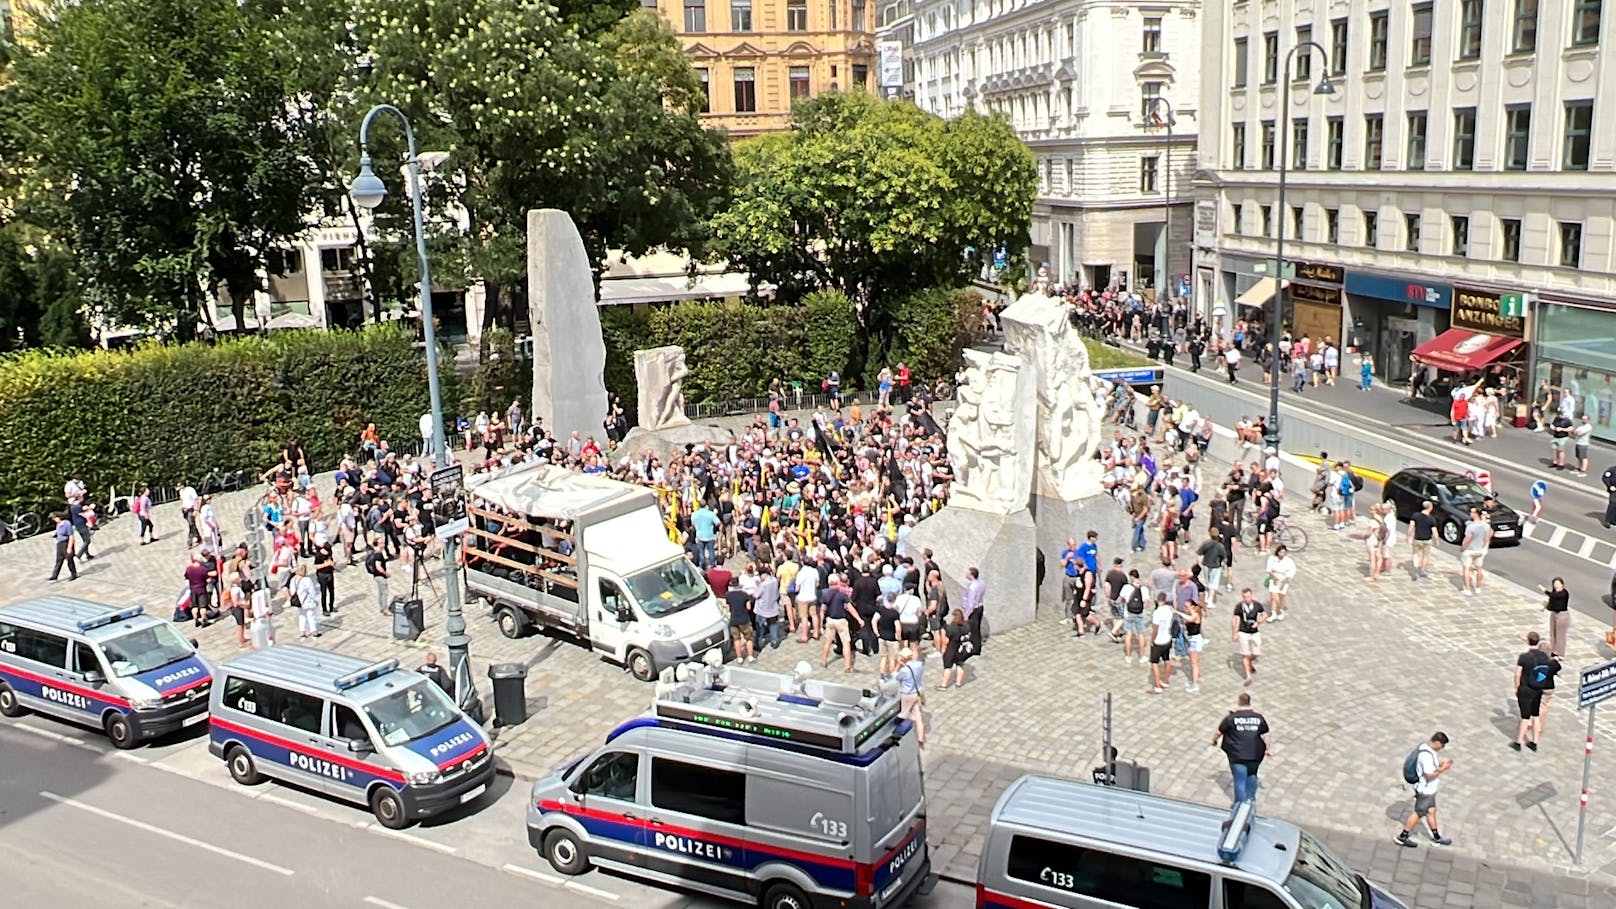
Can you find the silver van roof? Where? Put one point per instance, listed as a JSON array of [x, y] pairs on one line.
[[1149, 823], [318, 669], [778, 707], [69, 614]]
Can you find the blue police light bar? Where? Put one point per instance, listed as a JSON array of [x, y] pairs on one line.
[[1235, 831], [361, 676], [110, 618], [1143, 375]]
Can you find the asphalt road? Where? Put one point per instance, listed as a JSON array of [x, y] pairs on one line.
[[85, 826]]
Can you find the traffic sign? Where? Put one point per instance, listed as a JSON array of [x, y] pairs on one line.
[[1143, 375], [449, 502], [1596, 684]]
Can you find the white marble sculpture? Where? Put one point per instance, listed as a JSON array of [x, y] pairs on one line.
[[569, 352], [1037, 329], [991, 433], [660, 373]]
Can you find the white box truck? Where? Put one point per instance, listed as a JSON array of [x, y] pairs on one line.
[[588, 556]]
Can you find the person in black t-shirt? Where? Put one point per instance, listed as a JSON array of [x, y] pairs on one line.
[[742, 624], [376, 567], [1246, 741], [1422, 533], [1534, 675], [325, 573]]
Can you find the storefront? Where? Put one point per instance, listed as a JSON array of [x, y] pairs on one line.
[[1312, 306], [1576, 349], [1389, 316], [1487, 338]]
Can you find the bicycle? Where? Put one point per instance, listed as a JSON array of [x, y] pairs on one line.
[[217, 481], [1284, 534], [18, 525]]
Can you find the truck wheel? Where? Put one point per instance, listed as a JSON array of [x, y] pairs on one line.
[[388, 807], [565, 854], [10, 707], [510, 623], [640, 665], [784, 896], [120, 731], [242, 768]]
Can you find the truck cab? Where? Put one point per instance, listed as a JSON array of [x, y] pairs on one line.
[[587, 556]]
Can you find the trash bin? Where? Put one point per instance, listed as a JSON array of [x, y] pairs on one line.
[[407, 619], [510, 693]]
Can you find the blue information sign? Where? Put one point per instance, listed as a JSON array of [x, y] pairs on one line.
[[1143, 375]]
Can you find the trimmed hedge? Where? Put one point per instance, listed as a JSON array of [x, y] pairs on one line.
[[165, 414], [932, 327]]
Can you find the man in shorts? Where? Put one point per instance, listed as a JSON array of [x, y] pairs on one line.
[[1245, 627], [1161, 645], [1478, 535], [742, 623], [1421, 533], [1430, 768]]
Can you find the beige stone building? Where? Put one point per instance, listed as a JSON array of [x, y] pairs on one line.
[[756, 57]]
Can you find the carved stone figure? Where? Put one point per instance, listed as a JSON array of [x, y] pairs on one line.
[[569, 353], [1037, 329], [991, 433], [660, 374]]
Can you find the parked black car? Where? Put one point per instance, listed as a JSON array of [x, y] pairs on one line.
[[1455, 494]]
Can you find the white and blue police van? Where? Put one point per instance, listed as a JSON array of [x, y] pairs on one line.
[[367, 733], [119, 670], [768, 788]]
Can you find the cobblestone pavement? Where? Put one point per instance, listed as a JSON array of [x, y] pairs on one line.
[[1358, 674]]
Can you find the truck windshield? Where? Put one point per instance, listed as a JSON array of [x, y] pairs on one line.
[[149, 648], [415, 711], [668, 588], [1319, 880]]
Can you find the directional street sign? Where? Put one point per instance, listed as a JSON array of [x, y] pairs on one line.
[[1596, 684]]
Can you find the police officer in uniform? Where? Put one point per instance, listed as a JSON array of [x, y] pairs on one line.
[[1246, 740], [1609, 476], [436, 673]]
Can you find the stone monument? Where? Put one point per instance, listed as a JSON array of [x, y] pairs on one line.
[[660, 374], [991, 433], [569, 353]]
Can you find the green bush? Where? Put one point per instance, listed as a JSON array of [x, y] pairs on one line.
[[165, 414], [1104, 356], [832, 329], [499, 378], [931, 327]]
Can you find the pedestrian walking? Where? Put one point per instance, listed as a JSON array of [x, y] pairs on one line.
[[64, 548], [1192, 616], [742, 622], [325, 573], [1478, 535], [1366, 373], [1164, 621], [376, 567], [957, 648], [188, 502], [1246, 741], [911, 691], [303, 594], [1135, 621], [1245, 631], [141, 508], [1281, 571], [1421, 535], [1428, 768], [972, 603], [1534, 685], [1212, 556], [263, 619], [1231, 362]]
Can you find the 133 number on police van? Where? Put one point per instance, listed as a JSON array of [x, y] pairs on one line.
[[1057, 879], [828, 826]]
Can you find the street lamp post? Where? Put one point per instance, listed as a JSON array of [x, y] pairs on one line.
[[1271, 435], [368, 191], [1154, 119]]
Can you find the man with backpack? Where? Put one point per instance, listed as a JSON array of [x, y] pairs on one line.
[[1423, 770], [1534, 675], [1135, 623]]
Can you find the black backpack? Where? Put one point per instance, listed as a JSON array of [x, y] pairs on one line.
[[1136, 601]]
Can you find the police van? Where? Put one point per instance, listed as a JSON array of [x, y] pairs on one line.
[[1074, 845], [119, 670], [773, 789], [367, 733]]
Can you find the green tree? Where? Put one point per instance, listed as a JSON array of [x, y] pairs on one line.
[[159, 152]]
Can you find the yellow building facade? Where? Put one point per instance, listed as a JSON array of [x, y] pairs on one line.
[[756, 57]]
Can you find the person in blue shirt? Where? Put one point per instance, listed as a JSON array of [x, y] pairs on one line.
[[1088, 555], [1069, 564], [705, 522]]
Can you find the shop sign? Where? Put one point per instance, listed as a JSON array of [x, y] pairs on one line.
[[1206, 224], [1400, 290], [1483, 310], [1312, 293], [1318, 271]]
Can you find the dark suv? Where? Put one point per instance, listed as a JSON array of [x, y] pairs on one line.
[[1455, 494]]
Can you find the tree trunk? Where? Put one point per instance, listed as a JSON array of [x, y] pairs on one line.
[[367, 275]]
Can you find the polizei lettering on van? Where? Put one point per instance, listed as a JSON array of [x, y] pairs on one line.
[[904, 855], [64, 697], [320, 767], [452, 744], [185, 673], [690, 846]]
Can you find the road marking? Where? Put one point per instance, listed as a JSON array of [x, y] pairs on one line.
[[1556, 537], [535, 875], [131, 757], [411, 838], [180, 838], [592, 891], [1587, 547], [384, 904], [57, 737], [285, 802]]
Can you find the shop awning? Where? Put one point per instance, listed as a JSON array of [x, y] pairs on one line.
[[1258, 294], [1463, 350]]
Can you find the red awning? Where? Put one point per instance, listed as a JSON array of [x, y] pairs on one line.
[[1463, 350]]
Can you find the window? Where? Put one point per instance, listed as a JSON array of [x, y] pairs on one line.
[[861, 76], [1304, 60], [1240, 146], [85, 660], [1464, 138], [1299, 143], [799, 83], [1469, 29], [1335, 143], [1517, 135], [1268, 220], [1578, 132], [1153, 35], [337, 259], [1416, 141], [1511, 229], [745, 90], [1149, 94], [1100, 875], [1371, 229], [706, 77], [832, 6], [1298, 221], [740, 15], [1242, 62], [1332, 225], [1419, 52], [613, 775], [1338, 47], [858, 16], [282, 261], [695, 15], [1270, 63], [1379, 25], [39, 646], [1147, 173], [1585, 22], [1268, 145], [718, 795], [1411, 231], [1525, 36], [1374, 134], [1570, 244], [1240, 895], [346, 725], [1461, 234], [278, 705], [796, 15]]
